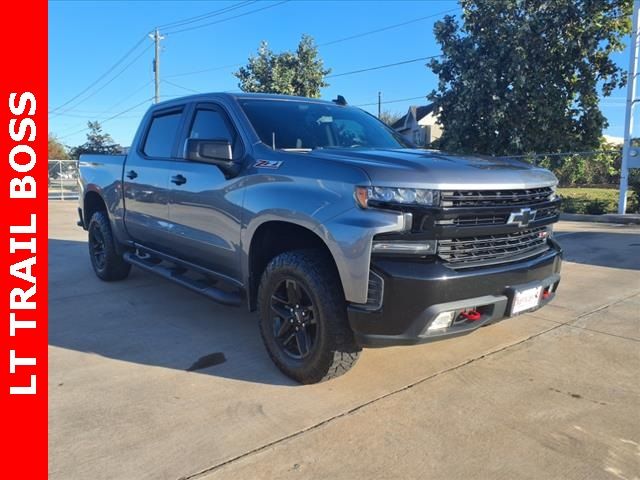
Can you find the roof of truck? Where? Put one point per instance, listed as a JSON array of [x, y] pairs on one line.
[[238, 96]]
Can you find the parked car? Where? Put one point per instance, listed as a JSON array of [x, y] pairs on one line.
[[325, 221]]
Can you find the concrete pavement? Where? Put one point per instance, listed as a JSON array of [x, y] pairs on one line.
[[555, 394]]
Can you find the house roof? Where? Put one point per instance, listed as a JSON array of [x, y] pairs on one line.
[[416, 112]]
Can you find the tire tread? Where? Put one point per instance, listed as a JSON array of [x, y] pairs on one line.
[[341, 351]]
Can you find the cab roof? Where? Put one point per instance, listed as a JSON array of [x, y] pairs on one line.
[[203, 97]]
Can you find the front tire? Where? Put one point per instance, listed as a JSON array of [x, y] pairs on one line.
[[107, 263], [303, 317]]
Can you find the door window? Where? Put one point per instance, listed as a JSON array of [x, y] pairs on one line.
[[162, 135], [211, 125]]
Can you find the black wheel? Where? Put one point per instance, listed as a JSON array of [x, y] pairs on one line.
[[106, 261], [303, 317]]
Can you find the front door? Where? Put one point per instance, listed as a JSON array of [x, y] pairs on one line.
[[205, 207], [146, 181]]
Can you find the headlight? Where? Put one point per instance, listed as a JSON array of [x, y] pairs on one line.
[[401, 196]]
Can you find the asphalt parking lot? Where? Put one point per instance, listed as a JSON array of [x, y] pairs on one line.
[[553, 394]]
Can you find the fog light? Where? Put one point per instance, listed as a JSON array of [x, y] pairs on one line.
[[423, 247], [443, 320]]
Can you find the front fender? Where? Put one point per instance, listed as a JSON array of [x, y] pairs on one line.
[[319, 196]]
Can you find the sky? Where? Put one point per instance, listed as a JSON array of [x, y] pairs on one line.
[[87, 38]]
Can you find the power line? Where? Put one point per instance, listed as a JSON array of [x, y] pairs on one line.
[[120, 102], [204, 70], [95, 92], [180, 86], [391, 101], [344, 39], [383, 29], [353, 72], [110, 118], [213, 13], [101, 77], [123, 58], [173, 32], [378, 67], [87, 115]]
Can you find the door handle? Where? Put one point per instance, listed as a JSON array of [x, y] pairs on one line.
[[178, 179], [131, 174]]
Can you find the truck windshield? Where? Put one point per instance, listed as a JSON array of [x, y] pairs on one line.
[[299, 125]]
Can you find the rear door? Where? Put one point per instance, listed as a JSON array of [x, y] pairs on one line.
[[205, 207], [146, 180]]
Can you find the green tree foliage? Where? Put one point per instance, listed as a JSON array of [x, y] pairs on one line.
[[598, 167], [289, 73], [389, 117], [57, 150], [97, 142], [522, 76]]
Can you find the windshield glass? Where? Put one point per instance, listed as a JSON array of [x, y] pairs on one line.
[[295, 125]]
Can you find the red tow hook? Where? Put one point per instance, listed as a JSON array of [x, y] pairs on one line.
[[546, 294], [471, 315]]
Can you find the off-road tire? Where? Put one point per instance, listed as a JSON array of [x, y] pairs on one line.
[[112, 267], [335, 350]]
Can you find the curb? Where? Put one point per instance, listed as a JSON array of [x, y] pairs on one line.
[[628, 219]]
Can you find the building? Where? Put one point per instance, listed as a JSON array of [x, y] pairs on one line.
[[619, 141], [419, 125]]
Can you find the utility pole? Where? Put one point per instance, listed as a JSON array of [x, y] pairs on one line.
[[379, 103], [156, 37], [630, 154]]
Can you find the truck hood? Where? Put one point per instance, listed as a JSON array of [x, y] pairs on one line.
[[414, 168]]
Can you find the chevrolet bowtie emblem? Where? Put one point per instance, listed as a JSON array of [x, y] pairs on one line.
[[522, 218]]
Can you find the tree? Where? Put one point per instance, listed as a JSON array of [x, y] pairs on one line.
[[97, 142], [523, 76], [57, 151], [389, 117], [289, 73]]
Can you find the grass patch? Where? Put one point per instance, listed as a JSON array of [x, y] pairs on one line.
[[594, 201]]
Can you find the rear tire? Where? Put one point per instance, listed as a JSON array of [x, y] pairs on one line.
[[105, 259], [303, 317]]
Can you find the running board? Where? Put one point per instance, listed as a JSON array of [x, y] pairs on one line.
[[176, 275]]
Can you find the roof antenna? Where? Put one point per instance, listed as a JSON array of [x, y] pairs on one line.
[[340, 100]]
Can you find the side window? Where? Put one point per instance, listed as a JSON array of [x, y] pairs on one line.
[[211, 125], [162, 135]]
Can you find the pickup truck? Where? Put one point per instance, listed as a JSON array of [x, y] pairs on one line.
[[331, 225]]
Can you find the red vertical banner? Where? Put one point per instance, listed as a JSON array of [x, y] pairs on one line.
[[23, 336]]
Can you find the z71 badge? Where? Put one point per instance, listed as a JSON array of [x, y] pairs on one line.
[[267, 164]]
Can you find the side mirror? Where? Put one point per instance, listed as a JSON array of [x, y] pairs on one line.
[[215, 152]]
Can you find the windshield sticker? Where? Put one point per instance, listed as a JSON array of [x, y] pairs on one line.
[[267, 164]]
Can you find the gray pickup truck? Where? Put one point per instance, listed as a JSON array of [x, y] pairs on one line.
[[328, 223]]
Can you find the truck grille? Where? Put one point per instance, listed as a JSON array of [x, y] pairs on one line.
[[495, 198], [546, 213], [493, 249]]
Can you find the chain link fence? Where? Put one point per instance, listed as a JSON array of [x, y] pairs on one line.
[[63, 180]]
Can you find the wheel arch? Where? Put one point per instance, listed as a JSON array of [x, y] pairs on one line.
[[272, 238], [93, 202]]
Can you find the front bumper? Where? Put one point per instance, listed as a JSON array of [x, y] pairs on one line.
[[415, 293]]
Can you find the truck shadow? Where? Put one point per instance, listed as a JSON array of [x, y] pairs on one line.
[[147, 320], [150, 321], [619, 248]]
